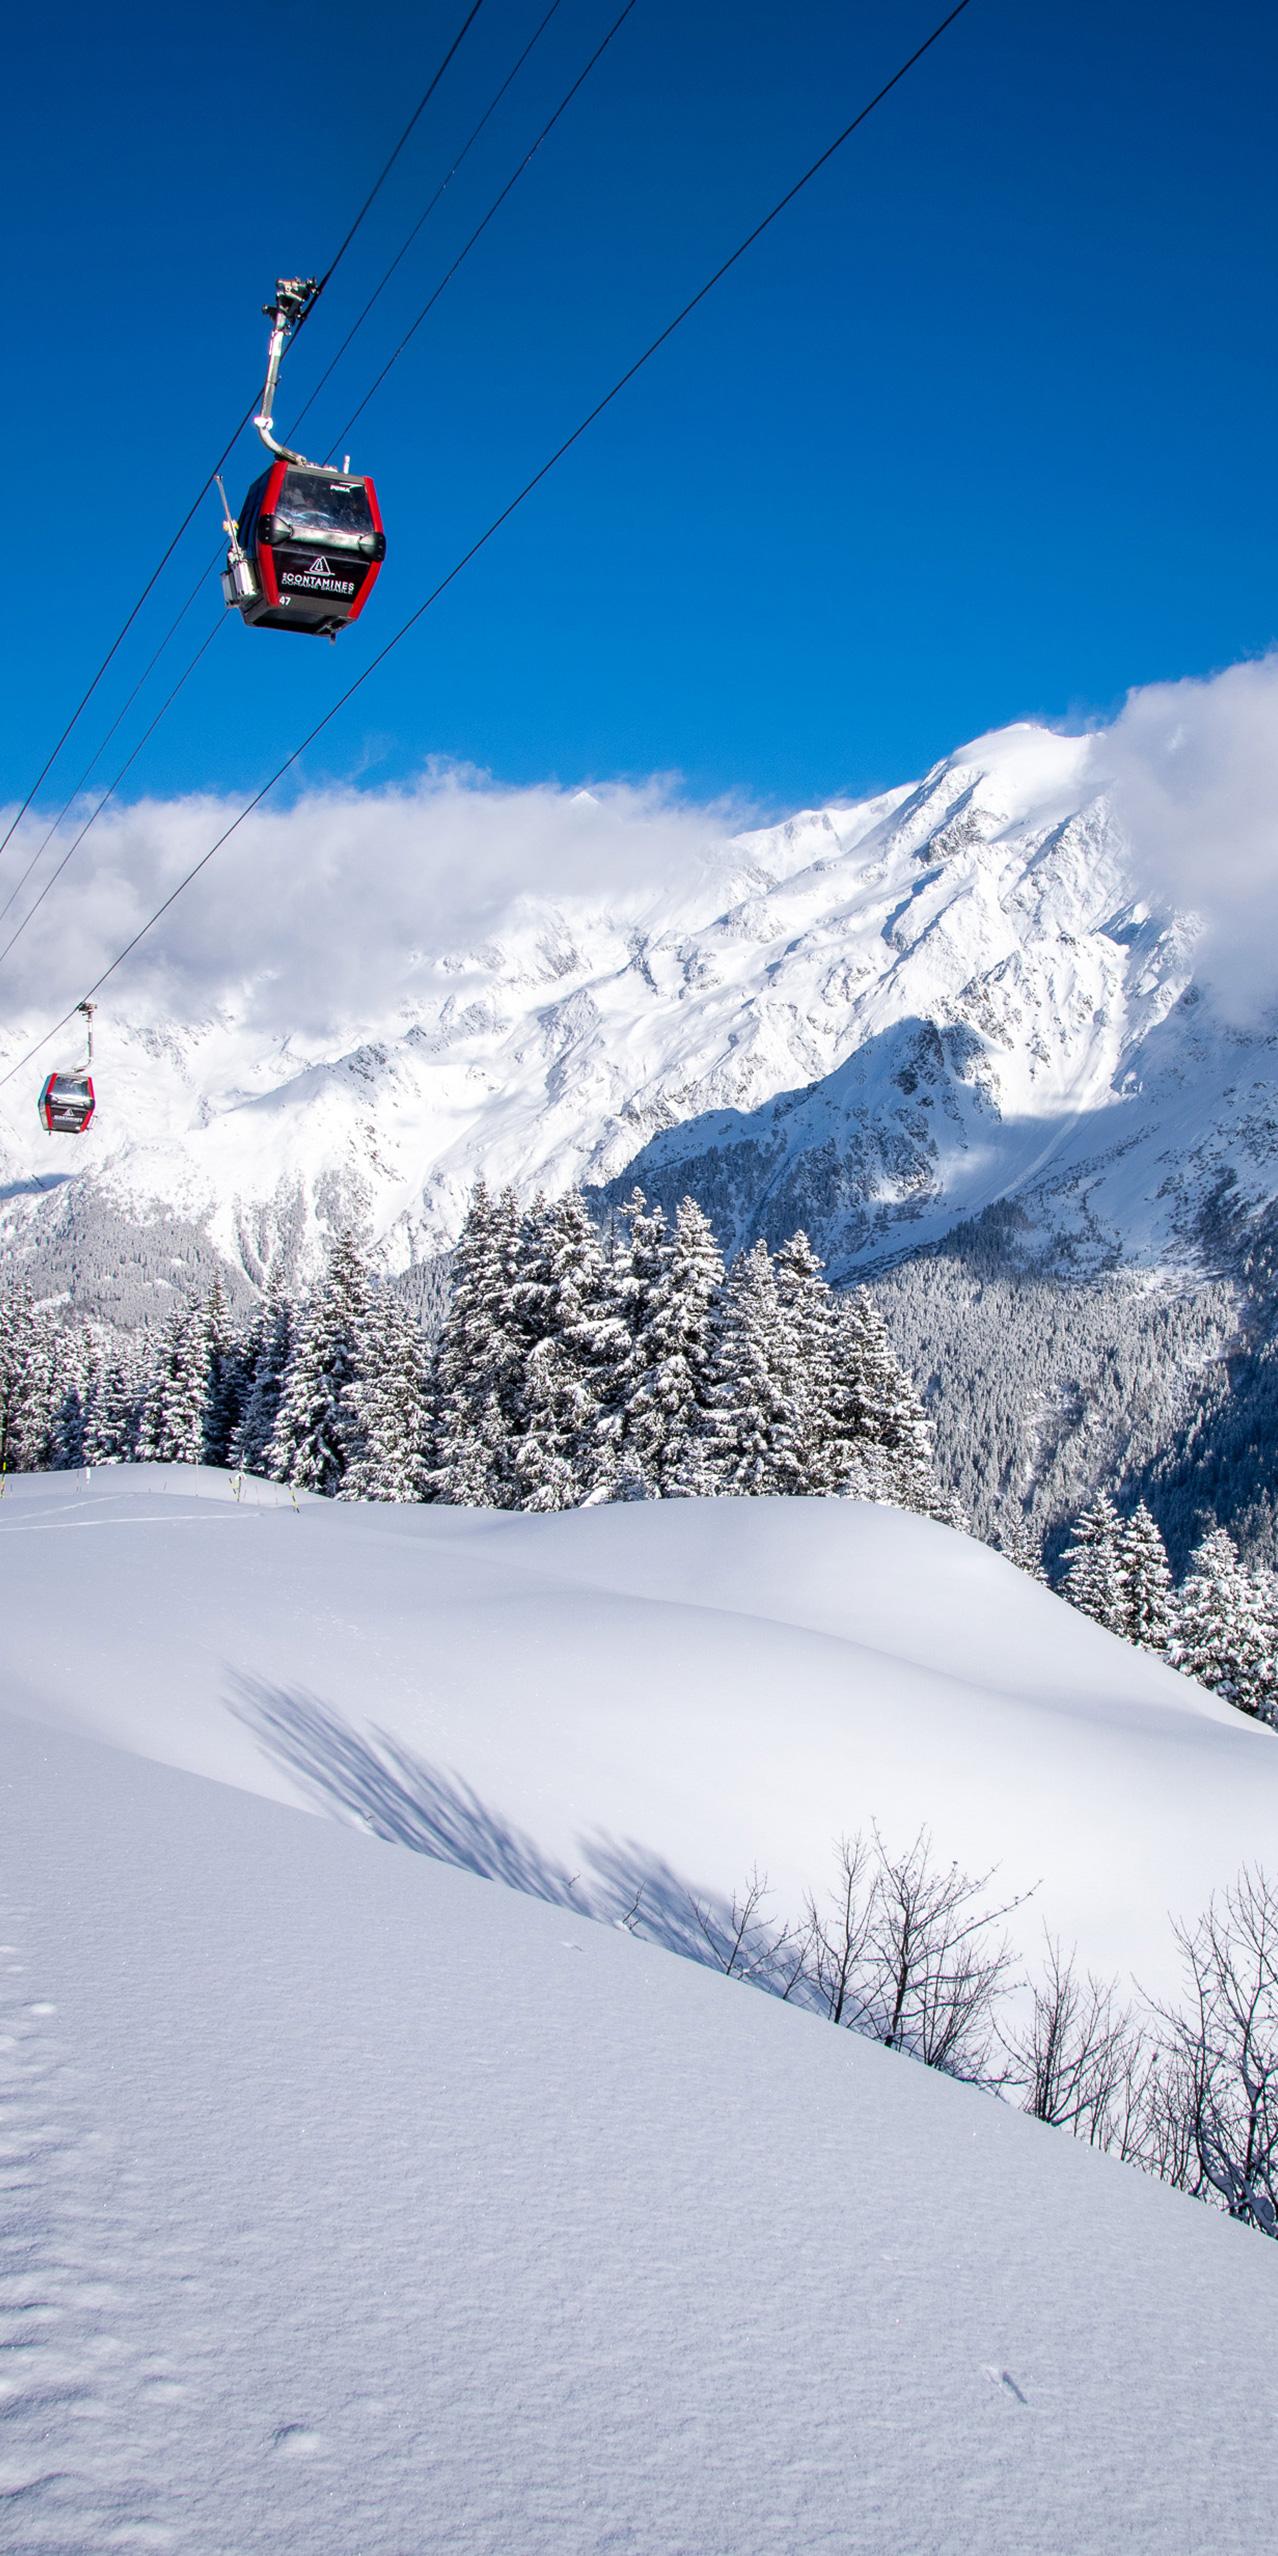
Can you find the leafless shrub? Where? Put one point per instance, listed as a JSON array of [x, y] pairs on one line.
[[909, 1952], [939, 1963], [1079, 2058], [631, 1919], [1225, 2049], [1152, 2121], [746, 1944], [839, 1976], [912, 1953]]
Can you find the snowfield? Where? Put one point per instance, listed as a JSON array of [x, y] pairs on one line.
[[357, 2206], [653, 1697]]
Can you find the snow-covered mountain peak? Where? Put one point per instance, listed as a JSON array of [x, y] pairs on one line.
[[872, 1018]]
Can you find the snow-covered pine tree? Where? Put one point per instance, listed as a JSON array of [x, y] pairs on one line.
[[753, 1442], [176, 1405], [29, 1389], [1095, 1572], [1222, 1628], [162, 1356], [667, 1410], [567, 1444], [478, 1361], [311, 1441], [880, 1443], [1146, 1582], [1265, 1682], [228, 1377], [636, 1255], [114, 1415], [808, 1310], [387, 1406], [266, 1356], [1019, 1544], [640, 1265], [480, 1468], [78, 1371]]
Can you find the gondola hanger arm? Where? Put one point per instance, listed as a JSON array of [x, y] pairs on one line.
[[294, 296]]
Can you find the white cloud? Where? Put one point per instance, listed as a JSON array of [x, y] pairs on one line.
[[1191, 770], [328, 912], [322, 912]]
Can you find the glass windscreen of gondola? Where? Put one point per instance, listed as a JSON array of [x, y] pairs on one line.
[[313, 504]]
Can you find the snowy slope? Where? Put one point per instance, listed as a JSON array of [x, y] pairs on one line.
[[638, 1703], [355, 2206], [873, 1019]]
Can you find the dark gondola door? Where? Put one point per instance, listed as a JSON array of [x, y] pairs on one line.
[[66, 1104], [314, 543]]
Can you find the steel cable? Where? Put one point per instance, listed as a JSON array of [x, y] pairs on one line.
[[100, 749], [592, 415], [388, 164], [447, 279], [453, 270], [129, 760], [424, 217], [480, 227], [162, 563]]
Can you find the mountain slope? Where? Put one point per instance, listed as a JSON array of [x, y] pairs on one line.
[[356, 2205], [877, 1019], [940, 1029], [636, 1706]]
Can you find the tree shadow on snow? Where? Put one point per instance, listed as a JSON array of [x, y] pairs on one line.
[[381, 1786]]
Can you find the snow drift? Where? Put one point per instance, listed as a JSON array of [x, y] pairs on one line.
[[655, 1697], [354, 2206]]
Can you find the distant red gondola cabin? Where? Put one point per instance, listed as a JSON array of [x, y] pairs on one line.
[[313, 544], [66, 1104]]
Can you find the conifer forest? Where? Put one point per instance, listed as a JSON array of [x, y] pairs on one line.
[[571, 1362]]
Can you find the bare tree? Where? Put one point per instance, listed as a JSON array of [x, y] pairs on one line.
[[1079, 2057], [838, 1936], [938, 1962], [1226, 2046], [1153, 2115], [744, 1944], [910, 1952]]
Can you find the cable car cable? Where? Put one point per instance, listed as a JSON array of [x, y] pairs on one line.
[[387, 165], [458, 261], [101, 746], [495, 207], [109, 793], [125, 627], [622, 383], [423, 217], [246, 420]]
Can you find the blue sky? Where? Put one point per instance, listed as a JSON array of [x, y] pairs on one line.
[[982, 430]]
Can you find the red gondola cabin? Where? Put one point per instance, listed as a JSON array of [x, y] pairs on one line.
[[66, 1103], [311, 544]]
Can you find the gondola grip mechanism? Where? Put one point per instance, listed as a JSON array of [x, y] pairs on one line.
[[294, 295]]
